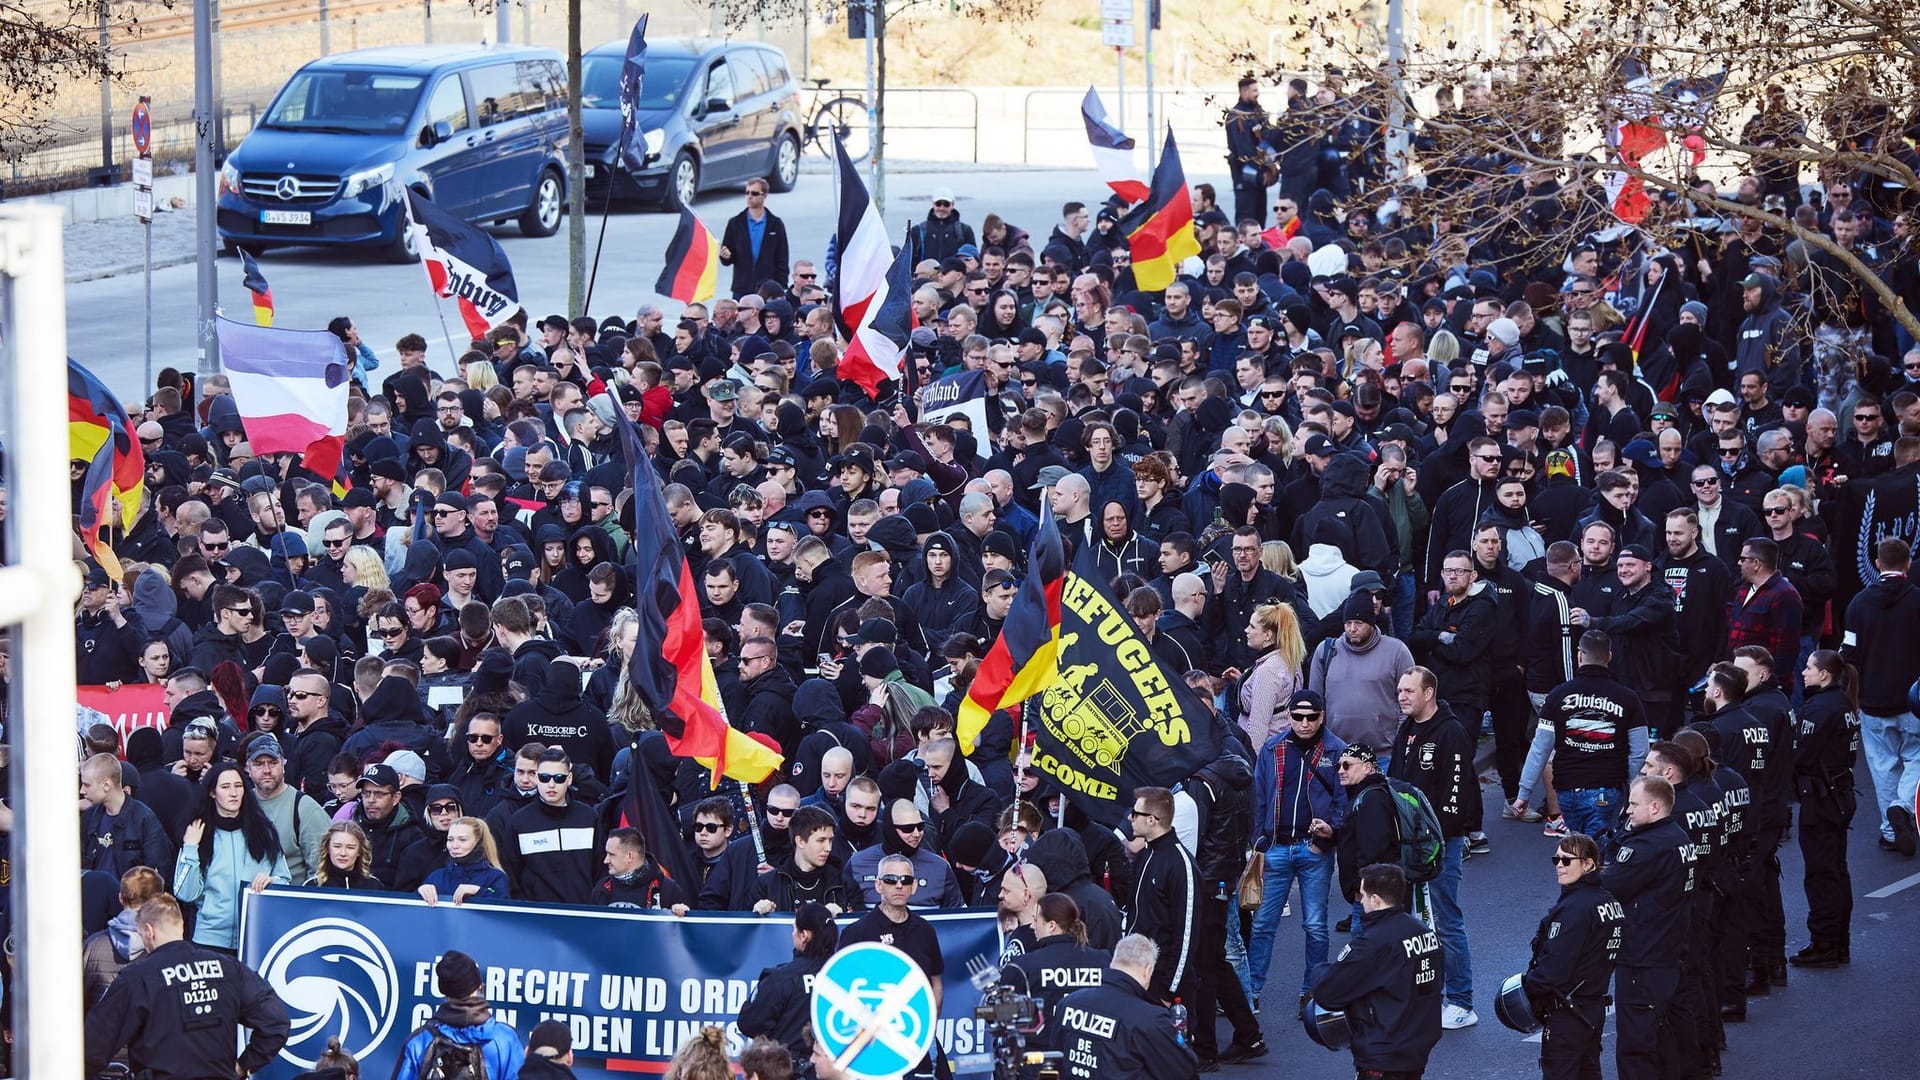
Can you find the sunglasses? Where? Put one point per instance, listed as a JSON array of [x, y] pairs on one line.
[[266, 710], [708, 826], [1140, 813], [1486, 457], [918, 826], [1710, 481], [340, 543], [1775, 511], [443, 808], [1563, 860], [781, 811], [222, 546], [477, 737], [895, 879], [553, 777], [1867, 418], [1730, 451], [302, 695], [941, 203], [392, 631]]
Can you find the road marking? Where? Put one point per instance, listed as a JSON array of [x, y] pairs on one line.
[[1899, 886]]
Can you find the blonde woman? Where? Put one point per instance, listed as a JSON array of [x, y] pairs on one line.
[[703, 1057], [1273, 633], [363, 569], [481, 374], [1279, 438], [346, 860], [1443, 349], [472, 868], [1277, 556]]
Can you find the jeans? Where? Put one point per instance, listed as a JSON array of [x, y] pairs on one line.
[[1406, 590], [1314, 870], [1592, 811], [1237, 948], [1451, 925], [1893, 756]]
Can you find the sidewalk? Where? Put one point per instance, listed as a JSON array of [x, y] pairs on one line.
[[112, 246]]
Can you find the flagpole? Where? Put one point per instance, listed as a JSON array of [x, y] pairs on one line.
[[606, 210], [412, 225]]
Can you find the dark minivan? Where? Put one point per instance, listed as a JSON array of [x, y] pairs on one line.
[[713, 114], [480, 129]]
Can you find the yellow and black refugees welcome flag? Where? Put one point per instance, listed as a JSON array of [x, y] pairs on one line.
[[1116, 718]]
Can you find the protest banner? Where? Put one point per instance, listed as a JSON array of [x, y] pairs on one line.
[[133, 705], [961, 394], [632, 985]]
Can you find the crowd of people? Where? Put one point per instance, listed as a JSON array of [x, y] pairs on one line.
[[1378, 498]]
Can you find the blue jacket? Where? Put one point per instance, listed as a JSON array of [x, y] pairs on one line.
[[492, 880], [500, 1045], [1325, 799], [217, 888]]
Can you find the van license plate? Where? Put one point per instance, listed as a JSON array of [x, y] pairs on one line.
[[286, 217], [592, 171]]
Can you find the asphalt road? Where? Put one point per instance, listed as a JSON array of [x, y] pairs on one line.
[[1830, 1024], [311, 286]]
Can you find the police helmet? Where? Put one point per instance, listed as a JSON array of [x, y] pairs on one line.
[[1327, 1028], [1513, 1008]]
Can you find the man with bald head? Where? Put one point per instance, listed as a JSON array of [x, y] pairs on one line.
[[1072, 500], [1021, 888], [836, 771]]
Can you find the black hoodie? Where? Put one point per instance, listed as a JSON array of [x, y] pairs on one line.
[[1061, 856], [1344, 497], [1880, 621], [824, 720], [393, 716], [557, 716]]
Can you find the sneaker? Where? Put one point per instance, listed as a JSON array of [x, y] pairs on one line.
[[1556, 826], [1247, 1052], [1906, 838], [1453, 1017], [1478, 844], [1530, 817]]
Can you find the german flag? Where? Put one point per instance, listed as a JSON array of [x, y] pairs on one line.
[[1159, 231], [257, 287], [692, 272], [669, 668], [100, 434], [1025, 659]]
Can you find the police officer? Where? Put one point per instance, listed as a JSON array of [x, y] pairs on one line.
[[1059, 962], [779, 1006], [175, 1009], [1118, 1030], [1772, 808], [1729, 929], [1388, 981], [1573, 955], [1650, 872], [1823, 761], [1696, 808], [1246, 124], [1594, 730]]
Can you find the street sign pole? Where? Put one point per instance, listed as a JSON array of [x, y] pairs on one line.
[[205, 193], [142, 130], [1116, 29]]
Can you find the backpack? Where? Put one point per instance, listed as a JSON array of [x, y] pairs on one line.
[[446, 1059], [1421, 843]]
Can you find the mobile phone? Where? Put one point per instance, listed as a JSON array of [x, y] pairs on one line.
[[824, 659]]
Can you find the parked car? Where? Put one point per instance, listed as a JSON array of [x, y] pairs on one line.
[[713, 114], [480, 130]]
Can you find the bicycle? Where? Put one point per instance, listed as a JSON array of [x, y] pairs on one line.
[[844, 116]]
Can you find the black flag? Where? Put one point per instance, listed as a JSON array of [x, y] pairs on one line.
[[1116, 719]]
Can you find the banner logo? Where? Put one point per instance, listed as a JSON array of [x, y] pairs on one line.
[[336, 979]]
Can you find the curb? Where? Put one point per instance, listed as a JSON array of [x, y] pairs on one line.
[[78, 276]]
